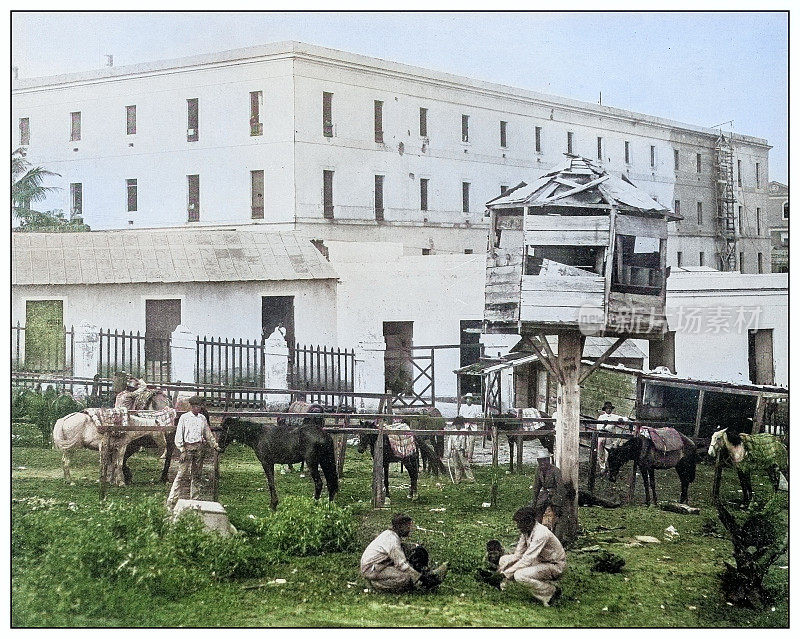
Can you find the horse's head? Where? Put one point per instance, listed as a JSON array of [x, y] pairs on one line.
[[234, 429], [717, 442], [365, 439], [618, 456]]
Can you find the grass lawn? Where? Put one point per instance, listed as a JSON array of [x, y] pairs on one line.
[[672, 584]]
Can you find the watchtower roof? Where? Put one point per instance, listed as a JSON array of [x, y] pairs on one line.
[[579, 182]]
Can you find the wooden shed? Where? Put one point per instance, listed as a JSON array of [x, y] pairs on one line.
[[579, 248]]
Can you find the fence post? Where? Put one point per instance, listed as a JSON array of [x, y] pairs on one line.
[[632, 486], [183, 353], [276, 364], [592, 462], [86, 356], [495, 466], [378, 496], [370, 376]]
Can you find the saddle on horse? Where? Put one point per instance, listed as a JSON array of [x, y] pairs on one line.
[[665, 440], [403, 444]]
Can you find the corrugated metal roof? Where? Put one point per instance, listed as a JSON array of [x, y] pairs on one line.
[[164, 255], [579, 181]]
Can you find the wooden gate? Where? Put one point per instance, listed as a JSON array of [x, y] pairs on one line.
[[53, 355], [421, 391], [323, 371]]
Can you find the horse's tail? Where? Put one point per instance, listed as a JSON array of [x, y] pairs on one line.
[[327, 462], [430, 457]]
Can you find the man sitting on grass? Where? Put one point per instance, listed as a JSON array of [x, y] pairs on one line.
[[538, 560], [388, 568]]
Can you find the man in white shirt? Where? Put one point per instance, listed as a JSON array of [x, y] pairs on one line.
[[192, 431], [537, 562], [457, 450], [385, 566], [613, 426], [470, 410]]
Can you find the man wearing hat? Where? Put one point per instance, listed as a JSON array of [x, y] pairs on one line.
[[470, 410], [192, 431], [548, 493], [603, 443]]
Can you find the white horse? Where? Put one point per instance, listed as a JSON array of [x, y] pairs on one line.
[[78, 430]]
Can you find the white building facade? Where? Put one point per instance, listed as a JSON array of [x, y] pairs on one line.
[[339, 146]]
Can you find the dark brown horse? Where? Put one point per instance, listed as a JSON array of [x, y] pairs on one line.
[[681, 455], [409, 462], [548, 440], [283, 444]]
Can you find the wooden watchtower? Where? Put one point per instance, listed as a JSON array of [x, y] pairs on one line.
[[578, 252]]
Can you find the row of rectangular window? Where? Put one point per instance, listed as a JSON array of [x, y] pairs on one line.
[[677, 209], [257, 128], [702, 261]]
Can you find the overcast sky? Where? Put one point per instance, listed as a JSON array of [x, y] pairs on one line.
[[699, 68]]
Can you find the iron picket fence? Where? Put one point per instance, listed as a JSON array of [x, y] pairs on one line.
[[323, 372], [230, 363], [48, 352], [140, 355]]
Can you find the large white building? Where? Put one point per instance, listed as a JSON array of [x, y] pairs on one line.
[[339, 146]]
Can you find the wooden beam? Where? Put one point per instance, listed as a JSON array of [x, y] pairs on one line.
[[579, 189], [495, 466], [602, 359], [544, 361], [700, 399], [378, 495], [758, 415], [556, 364]]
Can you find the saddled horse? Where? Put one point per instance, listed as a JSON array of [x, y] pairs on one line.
[[548, 440], [79, 430], [431, 446], [287, 443], [400, 448], [657, 448], [761, 452]]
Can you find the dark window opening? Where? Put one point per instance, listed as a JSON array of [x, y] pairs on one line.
[[193, 197], [192, 119], [758, 221], [467, 251], [599, 148], [637, 265], [379, 197], [570, 138], [680, 258], [652, 156], [586, 258], [699, 212], [161, 318], [677, 159], [398, 362], [132, 195], [257, 195], [738, 172], [423, 122], [76, 199], [760, 258], [785, 210], [426, 251], [503, 189], [423, 194], [699, 163], [465, 128], [130, 119], [256, 127], [538, 139], [627, 152], [662, 353], [465, 197], [327, 194], [470, 353], [503, 134], [75, 126], [24, 132], [760, 356], [741, 262], [678, 207], [327, 114], [758, 175], [702, 258], [379, 121], [278, 310]]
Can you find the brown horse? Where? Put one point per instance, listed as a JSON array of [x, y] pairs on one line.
[[547, 440], [679, 452]]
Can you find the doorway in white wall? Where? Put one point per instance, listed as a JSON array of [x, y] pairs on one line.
[[278, 310]]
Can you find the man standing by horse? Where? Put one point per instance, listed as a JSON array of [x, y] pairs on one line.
[[457, 449], [192, 431], [612, 426], [538, 561], [470, 410], [388, 567]]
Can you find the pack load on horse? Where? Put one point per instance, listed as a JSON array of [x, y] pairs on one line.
[[657, 448], [431, 447], [748, 453], [84, 429], [296, 439], [397, 447]]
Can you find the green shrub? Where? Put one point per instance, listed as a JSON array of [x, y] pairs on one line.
[[63, 554], [302, 526]]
